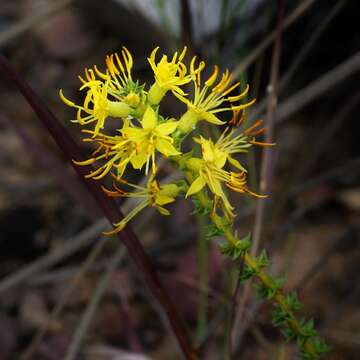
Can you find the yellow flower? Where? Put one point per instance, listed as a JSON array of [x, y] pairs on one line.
[[208, 98], [230, 142], [118, 74], [116, 157], [211, 173], [148, 138], [169, 75], [153, 195], [97, 107]]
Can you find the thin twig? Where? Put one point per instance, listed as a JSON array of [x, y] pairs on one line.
[[289, 20], [301, 55], [72, 245], [338, 171], [95, 252], [267, 164], [186, 26], [234, 303], [335, 244], [326, 135], [89, 313], [318, 87], [203, 268], [135, 249], [78, 242], [310, 43], [342, 306]]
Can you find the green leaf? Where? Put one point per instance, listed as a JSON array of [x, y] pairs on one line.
[[262, 260], [308, 329], [280, 316], [212, 231], [199, 208], [237, 249], [265, 292], [247, 273], [293, 302]]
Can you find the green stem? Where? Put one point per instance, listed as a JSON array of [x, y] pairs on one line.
[[203, 264], [262, 276]]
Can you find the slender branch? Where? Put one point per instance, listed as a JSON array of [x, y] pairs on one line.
[[289, 20], [28, 353], [78, 242], [336, 243], [267, 166], [267, 281], [72, 245], [318, 87], [310, 43], [302, 54], [109, 208], [203, 266], [89, 313], [186, 27], [315, 150]]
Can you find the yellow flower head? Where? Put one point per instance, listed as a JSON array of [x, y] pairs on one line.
[[118, 74], [153, 195], [97, 106], [211, 173], [114, 157], [209, 97], [150, 137], [170, 75]]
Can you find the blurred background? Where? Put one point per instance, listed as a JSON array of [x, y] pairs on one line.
[[68, 293]]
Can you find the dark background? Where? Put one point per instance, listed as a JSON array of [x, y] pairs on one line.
[[311, 224]]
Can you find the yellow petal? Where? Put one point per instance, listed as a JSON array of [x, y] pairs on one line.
[[220, 158], [166, 148], [236, 163], [207, 150], [213, 183], [167, 128], [149, 119], [135, 134], [213, 77], [240, 96], [164, 199], [151, 59], [211, 118], [139, 160], [163, 211], [196, 186], [84, 162], [66, 100]]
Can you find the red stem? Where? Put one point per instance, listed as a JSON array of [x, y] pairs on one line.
[[107, 205]]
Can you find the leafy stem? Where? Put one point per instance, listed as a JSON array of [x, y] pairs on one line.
[[301, 331]]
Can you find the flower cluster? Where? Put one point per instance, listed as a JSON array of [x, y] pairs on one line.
[[122, 117]]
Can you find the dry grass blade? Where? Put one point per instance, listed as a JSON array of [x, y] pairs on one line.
[[109, 208], [289, 20], [78, 242], [312, 91], [22, 26], [90, 310], [63, 299], [315, 150], [302, 54], [267, 164]]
